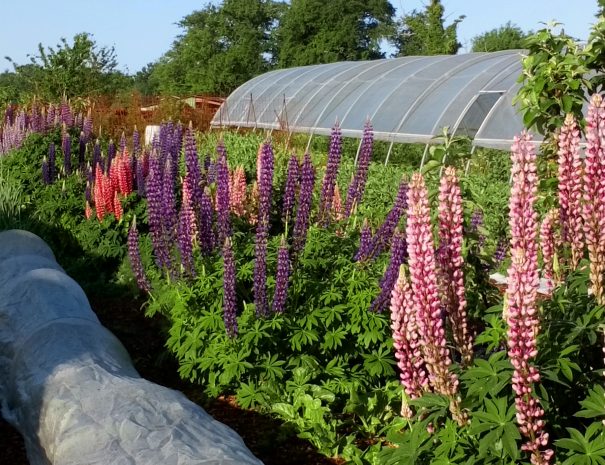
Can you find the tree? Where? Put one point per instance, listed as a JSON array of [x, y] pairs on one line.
[[425, 33], [221, 48], [505, 37], [72, 70], [319, 31]]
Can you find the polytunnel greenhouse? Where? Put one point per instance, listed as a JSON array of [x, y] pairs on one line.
[[409, 99]]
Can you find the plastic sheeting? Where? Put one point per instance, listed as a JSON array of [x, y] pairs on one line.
[[68, 385], [408, 99]]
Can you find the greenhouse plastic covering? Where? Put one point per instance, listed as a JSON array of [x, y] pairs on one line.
[[68, 385], [409, 99]]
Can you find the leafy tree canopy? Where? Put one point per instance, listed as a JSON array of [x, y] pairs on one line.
[[73, 70], [425, 33], [506, 37], [221, 47], [317, 31]]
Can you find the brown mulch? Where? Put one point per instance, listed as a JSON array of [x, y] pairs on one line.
[[144, 340]]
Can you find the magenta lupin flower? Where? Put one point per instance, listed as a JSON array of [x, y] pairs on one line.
[[549, 243], [407, 342], [237, 191], [282, 277], [451, 262], [135, 258], [570, 189], [229, 290], [521, 293], [423, 274], [594, 194]]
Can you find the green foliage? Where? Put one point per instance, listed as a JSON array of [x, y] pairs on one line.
[[11, 202], [74, 70], [506, 37], [221, 48], [315, 31], [425, 33], [553, 78], [88, 250]]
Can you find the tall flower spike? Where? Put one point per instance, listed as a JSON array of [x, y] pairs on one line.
[[398, 252], [186, 231], [594, 195], [134, 254], [282, 277], [222, 194], [358, 184], [521, 293], [550, 242], [426, 300], [570, 189], [407, 342], [451, 262], [365, 242], [237, 191], [327, 188], [229, 291], [303, 212], [262, 231], [383, 236]]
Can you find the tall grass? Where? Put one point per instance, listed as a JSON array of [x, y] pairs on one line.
[[11, 203]]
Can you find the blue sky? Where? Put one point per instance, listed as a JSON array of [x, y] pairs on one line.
[[142, 30]]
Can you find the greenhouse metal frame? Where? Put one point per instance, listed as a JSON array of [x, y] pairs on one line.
[[408, 99]]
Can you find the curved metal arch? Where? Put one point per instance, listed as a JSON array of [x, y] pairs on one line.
[[429, 89], [463, 112]]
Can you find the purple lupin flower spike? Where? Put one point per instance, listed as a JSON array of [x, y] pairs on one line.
[[122, 143], [292, 180], [135, 258], [282, 277], [229, 293], [192, 165], [222, 194], [365, 243], [66, 147], [303, 213], [383, 236], [111, 153], [329, 182], [87, 128], [387, 283], [45, 171], [186, 231], [66, 114], [205, 233], [81, 150], [358, 184], [52, 169], [88, 192], [262, 230], [169, 211], [96, 157], [501, 251], [154, 211], [476, 220]]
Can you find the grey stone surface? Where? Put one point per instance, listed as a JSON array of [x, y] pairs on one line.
[[68, 385]]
